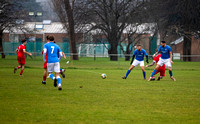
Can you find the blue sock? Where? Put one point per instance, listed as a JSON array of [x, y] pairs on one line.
[[127, 73], [51, 76], [153, 73], [58, 79], [170, 73], [144, 74]]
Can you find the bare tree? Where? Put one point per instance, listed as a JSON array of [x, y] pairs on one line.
[[180, 17], [111, 17], [65, 12], [10, 12]]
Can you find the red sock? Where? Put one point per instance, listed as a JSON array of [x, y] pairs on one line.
[[44, 78], [21, 72], [18, 67]]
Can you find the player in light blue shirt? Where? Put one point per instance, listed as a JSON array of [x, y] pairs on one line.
[[54, 54], [166, 58], [138, 54]]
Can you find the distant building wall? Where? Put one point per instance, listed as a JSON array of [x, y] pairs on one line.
[[195, 48]]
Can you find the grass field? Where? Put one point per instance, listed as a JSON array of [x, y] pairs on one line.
[[111, 100]]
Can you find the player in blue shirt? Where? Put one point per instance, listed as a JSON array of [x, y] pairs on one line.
[[52, 50], [139, 60], [166, 58]]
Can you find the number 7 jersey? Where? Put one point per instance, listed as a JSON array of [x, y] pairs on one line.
[[52, 51]]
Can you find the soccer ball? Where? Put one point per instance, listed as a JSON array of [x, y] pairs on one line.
[[103, 76]]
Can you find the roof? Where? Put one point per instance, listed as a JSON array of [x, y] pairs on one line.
[[179, 40], [57, 27]]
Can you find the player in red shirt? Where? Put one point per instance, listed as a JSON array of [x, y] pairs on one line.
[[21, 57], [45, 66], [161, 69]]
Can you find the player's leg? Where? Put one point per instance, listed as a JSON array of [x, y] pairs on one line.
[[50, 67], [168, 64], [154, 72], [143, 70], [171, 74], [159, 71], [57, 71], [44, 76], [18, 67], [22, 66], [153, 78], [44, 73], [134, 64], [162, 74], [62, 72], [22, 69]]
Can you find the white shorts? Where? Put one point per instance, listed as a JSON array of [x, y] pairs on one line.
[[167, 62], [53, 67], [136, 62]]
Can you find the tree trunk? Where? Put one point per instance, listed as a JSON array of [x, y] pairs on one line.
[[187, 49], [113, 51], [127, 55], [71, 30], [3, 56]]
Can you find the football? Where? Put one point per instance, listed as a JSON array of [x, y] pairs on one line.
[[103, 76]]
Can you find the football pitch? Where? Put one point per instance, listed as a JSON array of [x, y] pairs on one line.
[[87, 98]]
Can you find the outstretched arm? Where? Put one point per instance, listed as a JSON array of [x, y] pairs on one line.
[[27, 52], [151, 64], [64, 55], [155, 54]]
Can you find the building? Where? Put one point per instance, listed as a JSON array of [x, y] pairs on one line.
[[86, 43]]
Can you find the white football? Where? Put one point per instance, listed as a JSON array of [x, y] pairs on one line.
[[103, 76]]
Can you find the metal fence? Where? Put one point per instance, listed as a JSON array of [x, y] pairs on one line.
[[84, 50]]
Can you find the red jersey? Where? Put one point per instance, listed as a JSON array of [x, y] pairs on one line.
[[20, 50], [156, 59]]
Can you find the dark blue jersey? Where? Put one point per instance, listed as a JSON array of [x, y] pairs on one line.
[[165, 51], [140, 54]]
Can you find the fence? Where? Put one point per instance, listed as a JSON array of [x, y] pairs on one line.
[[84, 50], [87, 50]]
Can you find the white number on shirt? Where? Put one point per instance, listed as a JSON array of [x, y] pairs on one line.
[[52, 49]]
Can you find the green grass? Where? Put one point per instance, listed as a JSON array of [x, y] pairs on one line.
[[110, 100]]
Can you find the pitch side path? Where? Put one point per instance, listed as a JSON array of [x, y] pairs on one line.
[[86, 98]]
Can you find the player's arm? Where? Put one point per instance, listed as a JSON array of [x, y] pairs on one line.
[[132, 59], [64, 55], [60, 53], [24, 50], [16, 50], [151, 64], [155, 54], [147, 58], [171, 57], [44, 54]]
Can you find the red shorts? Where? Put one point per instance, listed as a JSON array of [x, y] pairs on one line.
[[21, 60], [45, 65], [161, 70]]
